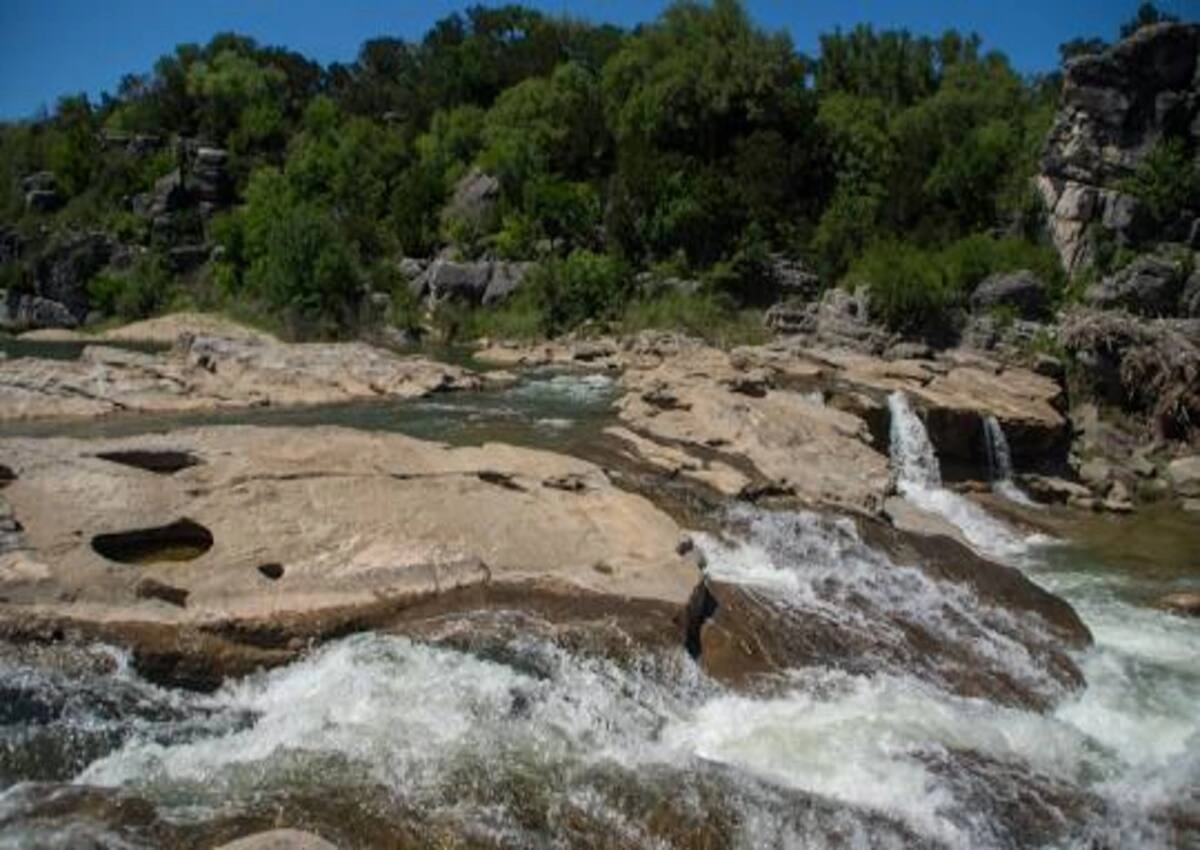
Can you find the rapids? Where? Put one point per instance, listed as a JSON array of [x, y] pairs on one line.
[[519, 742]]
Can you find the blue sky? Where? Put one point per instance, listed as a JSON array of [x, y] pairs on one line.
[[52, 47]]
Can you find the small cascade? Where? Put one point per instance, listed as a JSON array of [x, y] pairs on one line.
[[913, 456], [919, 480], [1000, 469]]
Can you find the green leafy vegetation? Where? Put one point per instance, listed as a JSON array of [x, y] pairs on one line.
[[697, 142]]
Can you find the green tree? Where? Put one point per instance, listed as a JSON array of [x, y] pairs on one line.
[[1147, 15]]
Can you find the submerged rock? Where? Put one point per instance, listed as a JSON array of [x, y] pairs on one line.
[[879, 600]]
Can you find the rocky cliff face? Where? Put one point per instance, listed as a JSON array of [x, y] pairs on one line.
[[1115, 107]]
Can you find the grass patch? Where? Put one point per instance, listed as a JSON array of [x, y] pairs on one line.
[[710, 317]]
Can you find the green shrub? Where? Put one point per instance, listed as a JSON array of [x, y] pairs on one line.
[[1167, 181], [142, 290], [583, 286], [909, 288], [971, 259]]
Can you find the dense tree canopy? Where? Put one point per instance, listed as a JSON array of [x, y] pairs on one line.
[[697, 144]]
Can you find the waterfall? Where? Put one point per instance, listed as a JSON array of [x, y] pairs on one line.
[[1000, 470], [913, 456], [919, 480]]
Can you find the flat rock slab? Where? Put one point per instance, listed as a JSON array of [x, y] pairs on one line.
[[212, 372], [703, 402], [274, 528]]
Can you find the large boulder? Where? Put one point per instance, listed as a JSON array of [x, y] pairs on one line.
[[1116, 105], [1151, 285], [1021, 291]]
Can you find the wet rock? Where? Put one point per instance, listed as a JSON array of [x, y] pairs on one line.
[[1021, 291], [279, 839], [1050, 490], [1149, 286], [1184, 602], [1097, 473], [748, 636]]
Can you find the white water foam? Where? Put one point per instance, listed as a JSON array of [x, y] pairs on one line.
[[919, 479], [411, 716], [1000, 466]]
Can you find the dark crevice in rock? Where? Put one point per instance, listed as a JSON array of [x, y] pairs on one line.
[[500, 479], [183, 540], [700, 608], [149, 588], [160, 462], [274, 572], [7, 476]]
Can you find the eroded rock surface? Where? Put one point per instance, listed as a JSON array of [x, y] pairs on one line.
[[364, 529], [210, 372]]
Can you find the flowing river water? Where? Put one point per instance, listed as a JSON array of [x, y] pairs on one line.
[[379, 741]]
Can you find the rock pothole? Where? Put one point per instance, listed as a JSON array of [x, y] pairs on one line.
[[7, 476], [153, 589], [183, 540], [158, 461], [274, 572]]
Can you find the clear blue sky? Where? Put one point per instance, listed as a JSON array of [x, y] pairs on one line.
[[52, 47]]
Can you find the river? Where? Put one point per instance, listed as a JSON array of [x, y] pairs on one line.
[[378, 741]]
